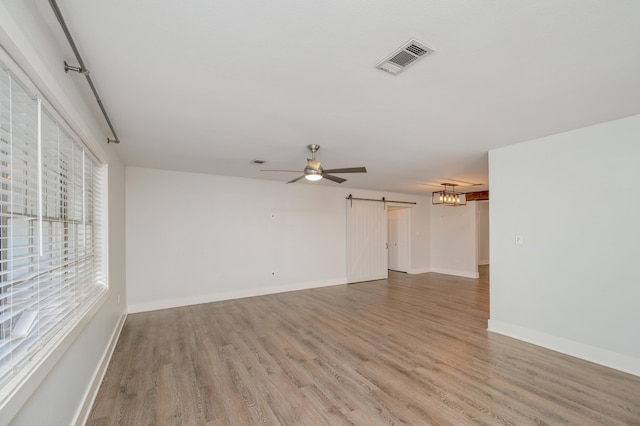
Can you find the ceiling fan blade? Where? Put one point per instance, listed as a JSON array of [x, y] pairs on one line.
[[348, 170], [295, 171], [296, 179], [336, 179]]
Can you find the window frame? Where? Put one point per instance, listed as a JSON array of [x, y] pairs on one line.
[[18, 389]]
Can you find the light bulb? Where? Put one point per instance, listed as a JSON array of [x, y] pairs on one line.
[[313, 178]]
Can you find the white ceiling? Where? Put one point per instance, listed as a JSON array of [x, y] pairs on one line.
[[207, 86]]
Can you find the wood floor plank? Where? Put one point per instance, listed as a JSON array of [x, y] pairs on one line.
[[412, 349]]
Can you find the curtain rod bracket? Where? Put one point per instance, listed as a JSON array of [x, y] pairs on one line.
[[79, 70]]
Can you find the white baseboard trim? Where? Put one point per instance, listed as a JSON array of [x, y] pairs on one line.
[[625, 363], [465, 274], [82, 415], [419, 271], [217, 297]]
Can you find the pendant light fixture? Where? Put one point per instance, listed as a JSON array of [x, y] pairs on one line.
[[448, 196]]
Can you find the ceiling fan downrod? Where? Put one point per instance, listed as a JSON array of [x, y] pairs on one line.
[[313, 148]]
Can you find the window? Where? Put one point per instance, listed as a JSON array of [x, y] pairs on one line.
[[51, 229]]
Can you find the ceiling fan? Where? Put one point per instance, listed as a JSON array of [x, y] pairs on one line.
[[314, 171]]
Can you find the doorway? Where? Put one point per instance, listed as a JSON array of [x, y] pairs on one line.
[[482, 229], [398, 237]]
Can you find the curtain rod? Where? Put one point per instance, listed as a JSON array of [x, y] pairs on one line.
[[382, 200], [82, 69]]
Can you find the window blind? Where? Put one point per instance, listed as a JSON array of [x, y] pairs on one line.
[[51, 227]]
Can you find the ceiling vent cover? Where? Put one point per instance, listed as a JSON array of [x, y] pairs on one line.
[[410, 52]]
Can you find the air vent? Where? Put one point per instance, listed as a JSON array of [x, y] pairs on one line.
[[405, 56]]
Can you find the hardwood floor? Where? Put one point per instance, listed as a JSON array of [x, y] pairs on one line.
[[412, 349]]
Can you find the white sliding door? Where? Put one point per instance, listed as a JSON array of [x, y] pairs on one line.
[[366, 241]]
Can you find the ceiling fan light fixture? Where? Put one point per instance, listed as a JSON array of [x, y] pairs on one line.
[[313, 178], [312, 174]]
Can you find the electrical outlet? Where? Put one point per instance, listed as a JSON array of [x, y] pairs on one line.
[[519, 240]]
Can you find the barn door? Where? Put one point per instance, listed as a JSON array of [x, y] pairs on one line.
[[366, 241]]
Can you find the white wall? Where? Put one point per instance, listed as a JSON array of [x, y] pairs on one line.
[[194, 238], [64, 394], [454, 248], [574, 284], [482, 213]]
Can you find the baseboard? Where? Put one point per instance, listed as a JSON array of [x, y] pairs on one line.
[[85, 408], [465, 274], [217, 297], [594, 354], [419, 271]]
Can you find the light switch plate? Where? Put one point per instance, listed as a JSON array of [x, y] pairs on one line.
[[519, 240]]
